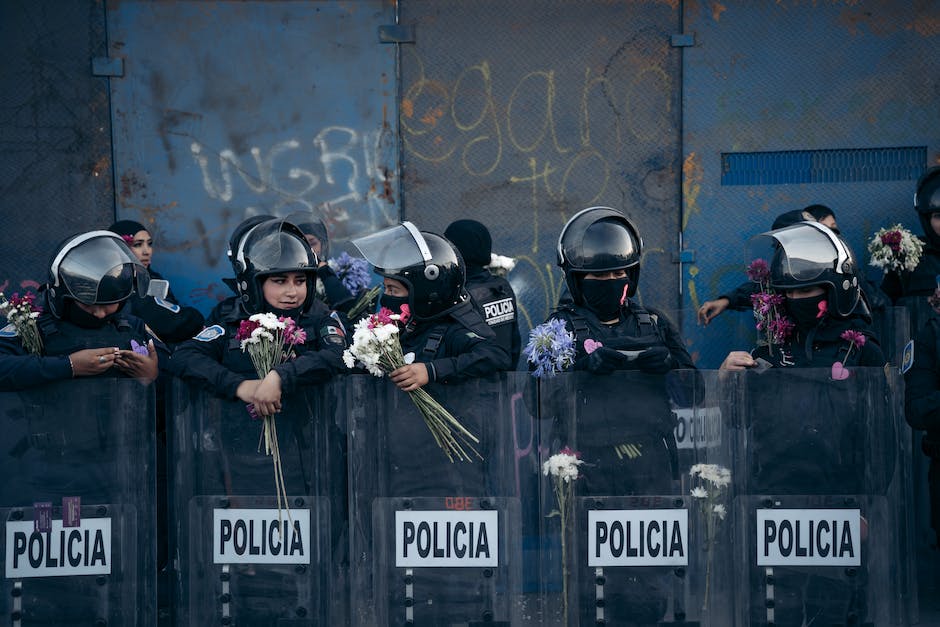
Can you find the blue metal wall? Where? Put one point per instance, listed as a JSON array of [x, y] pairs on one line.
[[844, 86], [55, 133], [229, 109], [522, 113]]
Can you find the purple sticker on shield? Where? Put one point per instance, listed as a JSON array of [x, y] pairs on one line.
[[42, 517], [71, 511]]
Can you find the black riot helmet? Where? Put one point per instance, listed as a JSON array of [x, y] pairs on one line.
[[808, 254], [428, 265], [599, 239], [927, 201], [310, 224], [271, 247], [94, 268]]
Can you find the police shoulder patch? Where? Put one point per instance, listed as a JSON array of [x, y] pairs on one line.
[[210, 333], [8, 331], [167, 304]]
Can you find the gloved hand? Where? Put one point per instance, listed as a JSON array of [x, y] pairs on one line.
[[655, 360], [603, 361]]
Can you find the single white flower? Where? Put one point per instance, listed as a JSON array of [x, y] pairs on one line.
[[409, 358], [699, 493], [719, 510], [348, 359]]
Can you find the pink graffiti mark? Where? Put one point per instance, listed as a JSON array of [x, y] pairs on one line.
[[520, 453]]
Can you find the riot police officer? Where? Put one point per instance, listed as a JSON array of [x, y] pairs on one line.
[[912, 289], [492, 295], [817, 273], [274, 269], [448, 336], [921, 408], [812, 443], [84, 331], [621, 421], [170, 321], [599, 251]]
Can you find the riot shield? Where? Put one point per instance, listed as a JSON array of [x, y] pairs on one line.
[[435, 542], [821, 498], [78, 504], [626, 542], [238, 554]]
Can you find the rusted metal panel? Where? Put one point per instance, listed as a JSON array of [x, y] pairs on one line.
[[858, 79], [229, 109], [55, 133], [520, 114]]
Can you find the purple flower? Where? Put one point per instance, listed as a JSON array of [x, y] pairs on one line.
[[758, 271], [857, 338], [550, 348], [892, 239], [353, 272], [252, 412], [140, 349]]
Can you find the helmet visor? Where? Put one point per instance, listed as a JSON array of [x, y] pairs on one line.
[[394, 248], [276, 246], [101, 271], [804, 252]]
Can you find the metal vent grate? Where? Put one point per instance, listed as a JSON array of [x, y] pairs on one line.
[[822, 166]]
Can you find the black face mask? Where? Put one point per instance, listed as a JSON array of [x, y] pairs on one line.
[[805, 311], [79, 317], [603, 296], [393, 303]]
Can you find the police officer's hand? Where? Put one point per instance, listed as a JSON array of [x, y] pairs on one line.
[[712, 308], [267, 395], [603, 360], [92, 361], [655, 360], [738, 360], [142, 367], [410, 376], [246, 390]]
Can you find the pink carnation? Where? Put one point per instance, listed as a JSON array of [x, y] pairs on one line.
[[590, 346]]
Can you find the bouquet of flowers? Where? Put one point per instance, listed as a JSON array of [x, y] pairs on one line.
[[375, 345], [270, 340], [894, 249], [562, 467], [550, 349], [773, 325], [22, 312], [500, 265], [356, 276], [710, 483]]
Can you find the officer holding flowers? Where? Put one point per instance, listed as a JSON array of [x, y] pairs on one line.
[[274, 272], [80, 328], [424, 279]]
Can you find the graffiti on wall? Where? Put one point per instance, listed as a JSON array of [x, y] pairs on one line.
[[545, 143]]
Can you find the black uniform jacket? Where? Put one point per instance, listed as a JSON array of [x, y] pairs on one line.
[[215, 359]]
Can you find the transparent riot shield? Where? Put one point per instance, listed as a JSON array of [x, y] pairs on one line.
[[239, 555], [626, 542], [78, 504], [435, 542], [821, 498]]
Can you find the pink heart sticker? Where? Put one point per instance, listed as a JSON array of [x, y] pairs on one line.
[[839, 372]]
